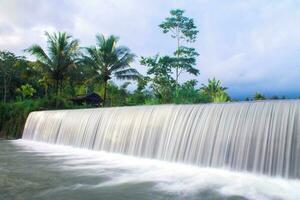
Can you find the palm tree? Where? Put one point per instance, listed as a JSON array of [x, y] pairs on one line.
[[221, 96], [110, 60], [61, 58], [215, 90]]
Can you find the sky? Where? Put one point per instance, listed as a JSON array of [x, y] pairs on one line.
[[251, 46]]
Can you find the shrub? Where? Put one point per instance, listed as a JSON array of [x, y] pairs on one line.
[[13, 115]]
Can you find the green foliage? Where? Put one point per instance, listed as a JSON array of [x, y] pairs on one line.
[[180, 26], [110, 60], [182, 29], [159, 71], [141, 95], [116, 95], [13, 115], [259, 96], [188, 94], [60, 60], [185, 59], [152, 101], [221, 96], [26, 91], [215, 91], [13, 71]]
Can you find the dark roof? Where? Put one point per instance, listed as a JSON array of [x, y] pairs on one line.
[[91, 98]]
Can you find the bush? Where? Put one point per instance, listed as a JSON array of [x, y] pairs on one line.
[[13, 115]]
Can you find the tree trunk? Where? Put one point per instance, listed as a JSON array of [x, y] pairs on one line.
[[105, 93], [177, 65], [60, 87], [56, 87], [46, 91], [4, 90], [178, 44], [56, 98], [72, 88]]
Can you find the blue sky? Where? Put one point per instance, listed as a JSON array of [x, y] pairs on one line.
[[251, 46]]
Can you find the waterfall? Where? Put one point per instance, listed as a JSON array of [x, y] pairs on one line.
[[261, 137]]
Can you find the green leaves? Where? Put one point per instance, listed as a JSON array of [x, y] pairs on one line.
[[215, 90], [13, 69], [60, 59], [160, 69], [108, 60], [259, 96], [185, 59], [159, 66], [180, 26], [26, 91]]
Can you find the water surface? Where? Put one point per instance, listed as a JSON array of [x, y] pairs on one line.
[[31, 170]]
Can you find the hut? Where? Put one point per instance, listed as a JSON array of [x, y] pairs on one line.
[[92, 99]]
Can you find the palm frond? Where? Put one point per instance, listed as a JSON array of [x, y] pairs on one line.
[[130, 73], [109, 59], [128, 77], [40, 54]]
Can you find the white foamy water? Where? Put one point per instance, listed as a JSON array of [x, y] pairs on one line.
[[260, 137], [181, 181]]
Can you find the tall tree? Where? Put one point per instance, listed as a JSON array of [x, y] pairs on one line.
[[159, 70], [12, 68], [110, 60], [7, 60], [60, 59], [182, 29]]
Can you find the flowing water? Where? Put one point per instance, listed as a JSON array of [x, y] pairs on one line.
[[233, 151], [39, 171], [260, 137]]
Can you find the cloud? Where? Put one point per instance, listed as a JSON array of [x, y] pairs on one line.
[[250, 45]]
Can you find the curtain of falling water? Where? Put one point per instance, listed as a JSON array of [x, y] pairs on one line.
[[261, 137]]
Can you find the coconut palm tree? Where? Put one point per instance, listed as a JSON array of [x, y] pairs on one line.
[[110, 60], [62, 52]]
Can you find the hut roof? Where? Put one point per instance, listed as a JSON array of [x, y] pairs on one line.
[[91, 99]]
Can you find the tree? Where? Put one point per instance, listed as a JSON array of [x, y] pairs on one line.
[[221, 96], [182, 29], [62, 56], [159, 70], [215, 90], [142, 82], [14, 71], [7, 60], [259, 96], [187, 93], [110, 60]]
